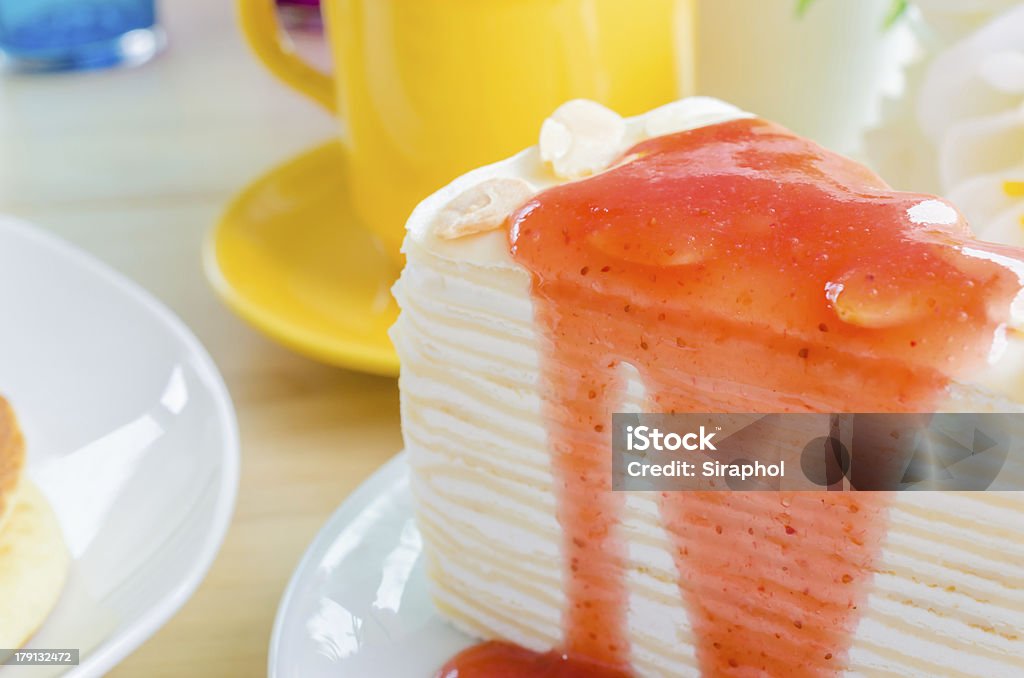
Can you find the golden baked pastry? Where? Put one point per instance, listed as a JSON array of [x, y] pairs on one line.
[[12, 458], [33, 558]]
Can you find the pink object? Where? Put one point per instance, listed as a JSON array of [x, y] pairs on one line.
[[300, 14]]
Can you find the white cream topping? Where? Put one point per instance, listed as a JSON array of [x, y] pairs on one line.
[[482, 207], [689, 113], [581, 138]]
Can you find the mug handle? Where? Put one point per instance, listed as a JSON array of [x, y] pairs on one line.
[[258, 19]]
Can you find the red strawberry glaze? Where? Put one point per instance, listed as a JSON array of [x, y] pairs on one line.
[[505, 660], [740, 268]]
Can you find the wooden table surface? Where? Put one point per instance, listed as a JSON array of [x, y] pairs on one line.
[[135, 166]]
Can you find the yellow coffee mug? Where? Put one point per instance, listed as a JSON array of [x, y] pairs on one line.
[[429, 89]]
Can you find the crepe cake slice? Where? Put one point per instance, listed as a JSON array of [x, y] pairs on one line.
[[699, 259]]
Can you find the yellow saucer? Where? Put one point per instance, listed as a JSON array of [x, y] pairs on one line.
[[289, 257]]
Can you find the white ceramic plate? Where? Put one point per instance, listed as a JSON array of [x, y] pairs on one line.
[[357, 606], [130, 434]]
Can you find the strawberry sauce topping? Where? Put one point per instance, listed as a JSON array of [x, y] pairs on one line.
[[740, 268]]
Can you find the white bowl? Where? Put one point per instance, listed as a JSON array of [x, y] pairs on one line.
[[131, 435]]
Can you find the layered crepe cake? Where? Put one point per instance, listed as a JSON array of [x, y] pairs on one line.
[[699, 259], [33, 560]]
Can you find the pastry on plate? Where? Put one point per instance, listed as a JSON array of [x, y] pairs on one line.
[[33, 558], [699, 259]]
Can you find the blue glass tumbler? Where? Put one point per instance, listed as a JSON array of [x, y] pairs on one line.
[[56, 35]]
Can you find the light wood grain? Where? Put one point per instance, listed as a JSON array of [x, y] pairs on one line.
[[135, 166]]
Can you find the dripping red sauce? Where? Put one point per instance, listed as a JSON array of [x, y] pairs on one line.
[[505, 660], [739, 268]]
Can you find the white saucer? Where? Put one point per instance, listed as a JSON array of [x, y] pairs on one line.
[[357, 605], [131, 435]]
